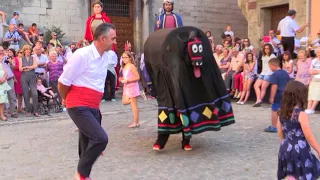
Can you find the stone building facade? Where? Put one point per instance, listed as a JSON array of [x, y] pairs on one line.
[[263, 15], [134, 19]]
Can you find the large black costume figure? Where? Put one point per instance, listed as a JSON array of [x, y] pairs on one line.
[[191, 94]]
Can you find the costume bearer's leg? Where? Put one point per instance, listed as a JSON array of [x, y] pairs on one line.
[[185, 140], [88, 121], [162, 140]]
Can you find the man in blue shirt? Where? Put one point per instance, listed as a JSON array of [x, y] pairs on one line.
[[12, 37], [278, 81]]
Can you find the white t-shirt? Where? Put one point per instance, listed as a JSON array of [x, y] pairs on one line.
[[316, 42], [231, 33], [297, 45], [316, 66], [265, 65], [291, 75], [288, 27], [277, 41]]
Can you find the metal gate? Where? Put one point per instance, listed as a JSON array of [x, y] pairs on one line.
[[121, 15]]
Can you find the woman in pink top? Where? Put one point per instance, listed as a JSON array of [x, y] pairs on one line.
[[17, 76], [131, 86], [303, 66]]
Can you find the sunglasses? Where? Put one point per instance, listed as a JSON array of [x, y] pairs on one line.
[[40, 34], [19, 52]]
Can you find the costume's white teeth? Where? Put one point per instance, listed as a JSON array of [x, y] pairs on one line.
[[200, 63], [197, 63]]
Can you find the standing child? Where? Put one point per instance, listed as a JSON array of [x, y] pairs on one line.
[[295, 159], [130, 78], [278, 80], [303, 66]]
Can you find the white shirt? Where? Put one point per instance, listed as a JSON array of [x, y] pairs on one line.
[[297, 45], [113, 61], [316, 42], [288, 27], [316, 66], [113, 58], [286, 68], [265, 65], [86, 68], [277, 41], [231, 33], [40, 60]]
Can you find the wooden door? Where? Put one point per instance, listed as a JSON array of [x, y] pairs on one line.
[[278, 13], [121, 15]]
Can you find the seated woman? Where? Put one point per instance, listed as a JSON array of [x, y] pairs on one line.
[[47, 92], [249, 76], [247, 47], [224, 62], [262, 83], [288, 64]]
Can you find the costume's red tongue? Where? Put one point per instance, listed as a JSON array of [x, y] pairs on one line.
[[196, 71]]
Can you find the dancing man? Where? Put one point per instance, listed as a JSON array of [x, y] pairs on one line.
[[81, 87], [191, 94], [168, 19]]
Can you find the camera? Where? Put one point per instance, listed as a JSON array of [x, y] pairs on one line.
[[6, 60]]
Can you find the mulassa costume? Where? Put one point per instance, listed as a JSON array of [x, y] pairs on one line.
[[191, 94]]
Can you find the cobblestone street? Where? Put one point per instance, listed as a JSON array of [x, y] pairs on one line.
[[47, 149]]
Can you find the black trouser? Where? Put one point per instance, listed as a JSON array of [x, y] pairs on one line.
[[92, 138], [163, 139], [54, 85], [288, 44], [112, 83]]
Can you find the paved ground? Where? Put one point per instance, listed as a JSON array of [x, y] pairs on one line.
[[47, 149]]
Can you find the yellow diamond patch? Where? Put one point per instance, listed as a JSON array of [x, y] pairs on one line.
[[162, 116], [207, 112]]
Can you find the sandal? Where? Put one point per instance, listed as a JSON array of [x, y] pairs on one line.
[[36, 114], [4, 119], [258, 104], [133, 125], [28, 114]]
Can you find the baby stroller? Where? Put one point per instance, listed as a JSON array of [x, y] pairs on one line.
[[47, 105]]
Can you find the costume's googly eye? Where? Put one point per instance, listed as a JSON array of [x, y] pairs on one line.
[[200, 48], [194, 48]]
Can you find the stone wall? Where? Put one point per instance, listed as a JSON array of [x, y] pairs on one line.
[[71, 15], [209, 15], [258, 17]]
